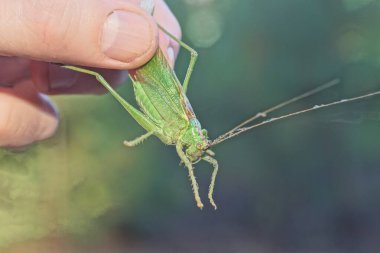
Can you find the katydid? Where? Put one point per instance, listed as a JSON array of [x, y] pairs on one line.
[[167, 113]]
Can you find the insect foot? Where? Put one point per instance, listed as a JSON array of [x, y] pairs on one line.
[[215, 165], [128, 143], [138, 140], [212, 202]]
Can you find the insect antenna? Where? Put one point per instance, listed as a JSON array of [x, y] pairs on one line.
[[264, 114], [241, 129], [283, 104]]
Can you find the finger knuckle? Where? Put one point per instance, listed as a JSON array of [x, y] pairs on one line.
[[51, 22]]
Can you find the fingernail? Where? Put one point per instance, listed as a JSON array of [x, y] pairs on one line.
[[126, 36], [170, 53]]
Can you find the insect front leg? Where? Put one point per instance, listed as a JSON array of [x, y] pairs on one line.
[[193, 57], [138, 140], [215, 165], [190, 168]]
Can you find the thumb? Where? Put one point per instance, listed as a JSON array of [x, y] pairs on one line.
[[98, 33]]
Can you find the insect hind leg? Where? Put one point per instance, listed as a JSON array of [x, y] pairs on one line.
[[137, 115]]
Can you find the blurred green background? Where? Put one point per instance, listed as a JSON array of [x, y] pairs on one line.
[[306, 184]]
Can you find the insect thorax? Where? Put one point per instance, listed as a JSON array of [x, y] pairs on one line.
[[195, 140]]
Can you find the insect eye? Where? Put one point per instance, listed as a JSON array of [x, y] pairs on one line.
[[199, 146]]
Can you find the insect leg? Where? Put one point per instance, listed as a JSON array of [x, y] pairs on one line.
[[141, 118], [190, 168], [214, 164], [138, 140], [193, 57]]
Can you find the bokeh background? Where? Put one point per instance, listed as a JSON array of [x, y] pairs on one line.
[[305, 184]]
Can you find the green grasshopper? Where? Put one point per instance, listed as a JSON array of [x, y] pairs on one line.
[[167, 113]]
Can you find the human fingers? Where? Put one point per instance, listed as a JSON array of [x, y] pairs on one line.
[[164, 16], [52, 79], [26, 116], [100, 33]]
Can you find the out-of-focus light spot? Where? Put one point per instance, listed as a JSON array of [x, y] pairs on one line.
[[352, 46], [198, 2], [204, 27], [351, 5]]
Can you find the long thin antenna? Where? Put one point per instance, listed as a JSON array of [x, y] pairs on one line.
[[238, 131], [283, 104]]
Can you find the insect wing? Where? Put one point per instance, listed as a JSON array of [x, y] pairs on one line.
[[158, 91]]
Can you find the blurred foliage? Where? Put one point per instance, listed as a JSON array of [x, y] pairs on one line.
[[310, 183]]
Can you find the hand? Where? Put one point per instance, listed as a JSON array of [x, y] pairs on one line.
[[108, 34]]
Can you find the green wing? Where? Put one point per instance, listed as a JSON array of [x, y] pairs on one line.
[[159, 93]]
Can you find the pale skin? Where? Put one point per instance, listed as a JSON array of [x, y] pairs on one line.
[[26, 115]]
